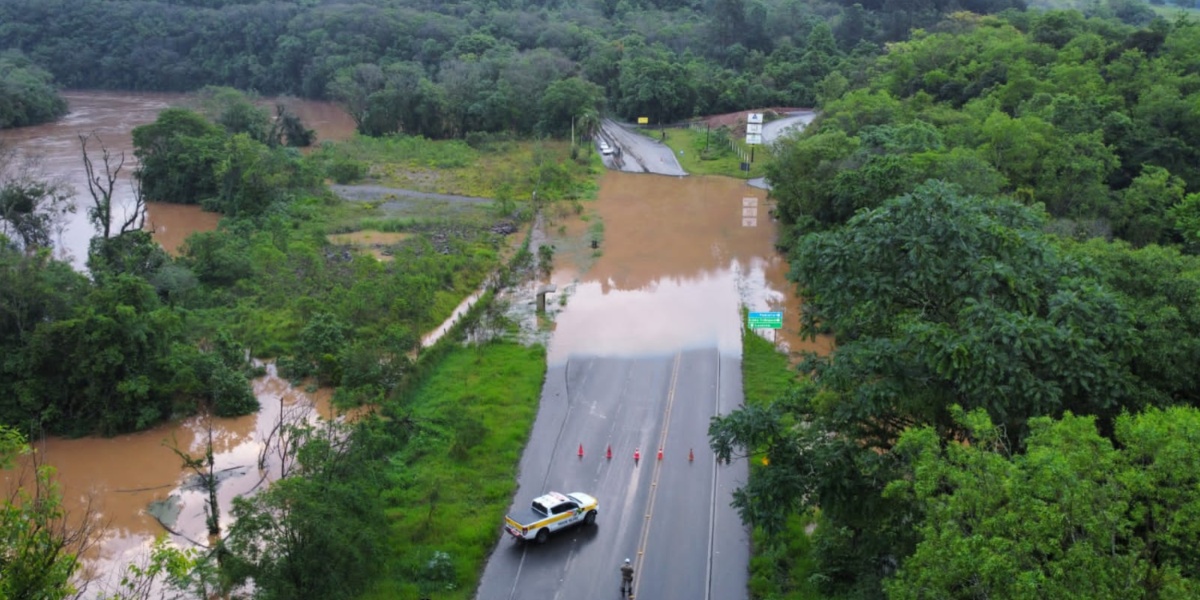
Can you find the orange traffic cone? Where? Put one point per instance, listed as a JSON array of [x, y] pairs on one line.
[[660, 454], [691, 456], [581, 451], [608, 454], [637, 455]]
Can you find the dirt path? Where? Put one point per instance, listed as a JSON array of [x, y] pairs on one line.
[[400, 201], [374, 193]]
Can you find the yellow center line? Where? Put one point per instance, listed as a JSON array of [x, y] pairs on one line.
[[662, 441]]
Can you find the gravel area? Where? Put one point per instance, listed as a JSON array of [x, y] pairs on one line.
[[400, 201]]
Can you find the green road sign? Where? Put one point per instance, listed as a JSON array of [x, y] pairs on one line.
[[765, 320]]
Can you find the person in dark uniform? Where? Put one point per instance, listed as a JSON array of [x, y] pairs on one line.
[[627, 577]]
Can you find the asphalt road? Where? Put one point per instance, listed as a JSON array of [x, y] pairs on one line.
[[638, 153], [778, 128], [793, 122], [671, 517]]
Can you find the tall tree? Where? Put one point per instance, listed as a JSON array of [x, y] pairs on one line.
[[566, 102], [314, 533], [177, 154], [101, 187]]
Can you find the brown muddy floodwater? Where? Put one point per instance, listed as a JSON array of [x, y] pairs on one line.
[[678, 259], [127, 478], [112, 116], [132, 481]]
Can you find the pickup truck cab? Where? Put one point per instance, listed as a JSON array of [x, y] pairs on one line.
[[549, 513]]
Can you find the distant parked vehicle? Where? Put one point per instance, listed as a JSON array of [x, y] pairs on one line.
[[605, 148]]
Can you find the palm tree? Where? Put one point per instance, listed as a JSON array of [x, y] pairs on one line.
[[588, 122]]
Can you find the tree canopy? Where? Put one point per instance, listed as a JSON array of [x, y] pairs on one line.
[[1084, 116], [1076, 515], [939, 299], [449, 68], [28, 95]]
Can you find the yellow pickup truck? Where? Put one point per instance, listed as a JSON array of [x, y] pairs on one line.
[[549, 513]]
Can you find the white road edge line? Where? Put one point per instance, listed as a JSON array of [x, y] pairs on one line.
[[712, 505]]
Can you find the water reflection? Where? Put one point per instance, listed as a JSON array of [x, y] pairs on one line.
[[678, 259], [122, 477], [112, 116]]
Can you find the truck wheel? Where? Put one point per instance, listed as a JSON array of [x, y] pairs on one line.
[[542, 536], [590, 519]]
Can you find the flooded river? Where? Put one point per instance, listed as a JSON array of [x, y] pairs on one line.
[[121, 478], [112, 116], [131, 481]]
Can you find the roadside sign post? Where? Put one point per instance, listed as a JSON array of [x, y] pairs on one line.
[[754, 125], [765, 320]]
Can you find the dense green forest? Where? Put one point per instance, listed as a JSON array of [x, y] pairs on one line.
[[998, 225], [447, 68], [27, 92], [1093, 120]]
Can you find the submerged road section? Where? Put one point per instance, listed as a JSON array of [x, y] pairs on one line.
[[645, 349], [670, 516]]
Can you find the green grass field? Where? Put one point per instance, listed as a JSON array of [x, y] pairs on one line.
[[510, 169], [447, 492], [689, 146]]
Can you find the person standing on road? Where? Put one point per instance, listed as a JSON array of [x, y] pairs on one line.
[[627, 577]]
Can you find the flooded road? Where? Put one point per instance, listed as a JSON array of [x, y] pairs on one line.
[[678, 259], [644, 348], [112, 116]]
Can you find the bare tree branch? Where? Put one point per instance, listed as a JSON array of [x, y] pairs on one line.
[[101, 186], [43, 541], [205, 468]]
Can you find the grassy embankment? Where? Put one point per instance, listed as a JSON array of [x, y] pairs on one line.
[[507, 171], [502, 169], [775, 572], [689, 146], [448, 489]]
